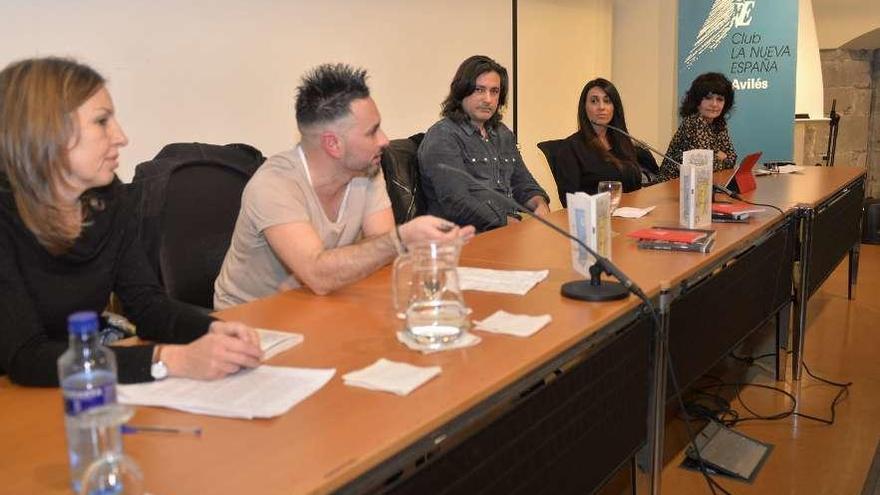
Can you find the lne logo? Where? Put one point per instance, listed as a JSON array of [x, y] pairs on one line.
[[743, 12]]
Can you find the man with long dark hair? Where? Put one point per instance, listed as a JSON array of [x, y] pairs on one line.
[[318, 215], [472, 138]]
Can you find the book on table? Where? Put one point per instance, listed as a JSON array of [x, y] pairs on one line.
[[674, 239], [695, 189], [589, 219], [730, 211], [735, 208]]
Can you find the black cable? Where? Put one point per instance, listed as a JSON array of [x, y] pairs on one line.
[[844, 391], [702, 463], [824, 380], [738, 197], [750, 360], [691, 437], [726, 409]]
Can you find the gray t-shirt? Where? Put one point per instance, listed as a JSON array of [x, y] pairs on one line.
[[281, 192]]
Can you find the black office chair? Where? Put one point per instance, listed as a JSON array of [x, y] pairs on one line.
[[644, 158], [551, 151], [646, 161], [190, 199], [400, 164]]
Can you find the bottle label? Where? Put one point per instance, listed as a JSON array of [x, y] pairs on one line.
[[77, 401]]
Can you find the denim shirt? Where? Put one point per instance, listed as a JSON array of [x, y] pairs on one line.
[[494, 162]]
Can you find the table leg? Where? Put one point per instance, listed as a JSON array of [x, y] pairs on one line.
[[783, 343], [853, 270], [633, 476], [657, 406], [801, 290]]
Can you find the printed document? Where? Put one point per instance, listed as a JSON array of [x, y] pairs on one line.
[[263, 392]]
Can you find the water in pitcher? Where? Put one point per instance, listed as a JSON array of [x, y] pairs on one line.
[[435, 322]]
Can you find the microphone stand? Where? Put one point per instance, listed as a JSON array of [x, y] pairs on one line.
[[646, 145], [833, 124], [716, 189], [585, 290]]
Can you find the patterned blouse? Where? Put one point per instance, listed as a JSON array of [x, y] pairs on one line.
[[695, 133]]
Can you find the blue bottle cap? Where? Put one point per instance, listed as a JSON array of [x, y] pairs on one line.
[[83, 322]]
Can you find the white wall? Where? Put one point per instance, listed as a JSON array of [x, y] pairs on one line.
[[225, 71], [645, 67], [839, 21], [809, 96], [562, 44]]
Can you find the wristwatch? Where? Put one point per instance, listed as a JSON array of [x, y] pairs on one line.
[[158, 370]]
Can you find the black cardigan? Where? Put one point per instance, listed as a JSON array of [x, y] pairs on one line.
[[39, 290], [579, 168]]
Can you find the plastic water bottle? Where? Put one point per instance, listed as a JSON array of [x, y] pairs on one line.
[[87, 372]]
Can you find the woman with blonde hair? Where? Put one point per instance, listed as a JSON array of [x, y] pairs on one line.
[[68, 238]]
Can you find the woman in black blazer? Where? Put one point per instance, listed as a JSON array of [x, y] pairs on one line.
[[595, 153]]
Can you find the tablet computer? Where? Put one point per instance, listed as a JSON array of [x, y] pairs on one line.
[[742, 180]]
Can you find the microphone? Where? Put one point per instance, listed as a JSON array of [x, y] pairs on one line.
[[646, 145], [715, 187], [584, 290]]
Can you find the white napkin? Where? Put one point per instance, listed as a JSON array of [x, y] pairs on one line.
[[505, 281], [511, 324], [465, 340], [630, 212], [273, 342], [391, 376]]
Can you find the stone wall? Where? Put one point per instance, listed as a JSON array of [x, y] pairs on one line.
[[874, 133], [853, 78]]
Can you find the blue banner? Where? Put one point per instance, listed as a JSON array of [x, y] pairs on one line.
[[753, 43]]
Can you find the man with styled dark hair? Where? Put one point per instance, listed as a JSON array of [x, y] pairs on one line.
[[472, 138], [319, 215]]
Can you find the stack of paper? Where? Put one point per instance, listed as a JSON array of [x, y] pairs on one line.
[[262, 392], [273, 342], [506, 281], [391, 376], [511, 324]]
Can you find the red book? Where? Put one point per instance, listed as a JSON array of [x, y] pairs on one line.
[[734, 209], [669, 234]]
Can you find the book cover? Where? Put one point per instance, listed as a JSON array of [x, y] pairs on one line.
[[695, 193], [589, 219], [703, 245], [735, 209], [670, 234], [722, 218]]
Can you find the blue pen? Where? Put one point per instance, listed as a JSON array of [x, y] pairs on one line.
[[193, 430]]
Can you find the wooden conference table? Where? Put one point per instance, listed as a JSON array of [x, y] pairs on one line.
[[556, 412]]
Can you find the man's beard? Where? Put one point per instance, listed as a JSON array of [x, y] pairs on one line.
[[372, 171]]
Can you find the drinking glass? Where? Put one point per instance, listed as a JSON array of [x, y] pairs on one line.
[[615, 188]]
